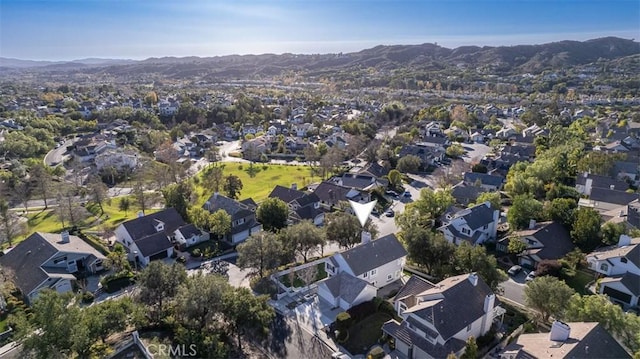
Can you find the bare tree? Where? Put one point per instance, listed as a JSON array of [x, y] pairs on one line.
[[42, 178], [23, 191], [69, 209], [10, 224], [450, 175], [98, 192]]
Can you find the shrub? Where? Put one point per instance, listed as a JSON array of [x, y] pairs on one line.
[[264, 286], [181, 259], [548, 267], [343, 321], [87, 297], [377, 301], [386, 307], [487, 339], [196, 252]]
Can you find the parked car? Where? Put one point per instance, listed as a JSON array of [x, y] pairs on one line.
[[393, 194], [514, 270], [531, 276], [389, 213], [339, 355], [407, 193]]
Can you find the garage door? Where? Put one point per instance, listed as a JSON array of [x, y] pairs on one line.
[[159, 255], [617, 295]]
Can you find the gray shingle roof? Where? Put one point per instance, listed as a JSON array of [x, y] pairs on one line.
[[189, 230], [233, 208], [607, 195], [414, 286], [345, 286], [408, 336], [602, 182], [144, 226], [25, 260], [287, 195], [485, 179], [153, 244], [465, 194], [374, 254], [555, 239], [462, 304]]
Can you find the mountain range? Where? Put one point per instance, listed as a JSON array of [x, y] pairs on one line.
[[428, 57]]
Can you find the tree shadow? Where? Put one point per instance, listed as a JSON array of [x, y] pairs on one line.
[[280, 333]]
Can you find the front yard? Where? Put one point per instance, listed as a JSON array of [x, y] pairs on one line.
[[579, 281], [299, 282]]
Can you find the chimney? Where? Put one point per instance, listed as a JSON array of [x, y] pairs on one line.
[[140, 214], [473, 278], [294, 186], [612, 187], [532, 223], [365, 237], [559, 331], [65, 236], [215, 195], [489, 302], [585, 174], [624, 240]]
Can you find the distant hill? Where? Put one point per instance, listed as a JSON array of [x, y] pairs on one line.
[[17, 63], [424, 57]]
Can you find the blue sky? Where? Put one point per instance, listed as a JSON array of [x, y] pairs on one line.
[[137, 29]]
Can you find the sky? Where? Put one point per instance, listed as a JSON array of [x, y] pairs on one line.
[[139, 29]]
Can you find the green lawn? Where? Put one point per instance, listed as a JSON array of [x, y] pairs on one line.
[[366, 333], [579, 281], [321, 274], [267, 177]]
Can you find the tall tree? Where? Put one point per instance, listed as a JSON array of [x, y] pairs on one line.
[[343, 228], [428, 249], [562, 210], [178, 196], [261, 252], [548, 295], [219, 222], [524, 209], [395, 179], [304, 238], [212, 178], [124, 204], [69, 209], [199, 301], [470, 349], [98, 192], [232, 186], [585, 231], [409, 164], [23, 191], [273, 214], [10, 224], [140, 197], [246, 313], [470, 258], [117, 259], [430, 206], [492, 197], [159, 284], [42, 178]]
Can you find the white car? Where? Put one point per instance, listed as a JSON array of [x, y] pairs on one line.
[[339, 355], [531, 276]]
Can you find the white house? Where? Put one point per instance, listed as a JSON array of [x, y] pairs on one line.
[[49, 261], [117, 158], [437, 319], [189, 235], [243, 216], [620, 264], [474, 225], [345, 291], [149, 237], [168, 107], [377, 262]]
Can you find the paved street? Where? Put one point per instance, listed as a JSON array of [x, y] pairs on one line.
[[289, 339]]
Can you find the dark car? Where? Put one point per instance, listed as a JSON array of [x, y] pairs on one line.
[[393, 194], [389, 213], [407, 194]]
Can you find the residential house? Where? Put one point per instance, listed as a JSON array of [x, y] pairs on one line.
[[620, 264], [243, 216], [331, 194], [506, 132], [118, 158], [605, 200], [432, 128], [378, 262], [477, 137], [360, 182], [249, 130], [484, 180], [49, 261], [586, 182], [545, 241], [627, 171], [437, 319], [474, 225], [566, 340], [466, 194], [256, 146], [189, 235], [429, 155], [345, 291], [301, 130], [149, 237], [169, 107], [302, 206], [374, 169]]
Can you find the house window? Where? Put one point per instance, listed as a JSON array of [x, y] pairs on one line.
[[373, 272], [366, 274], [604, 267], [486, 226], [469, 327], [389, 277], [465, 231], [623, 259]]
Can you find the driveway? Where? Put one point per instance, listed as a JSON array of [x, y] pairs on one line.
[[513, 288], [475, 151]]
